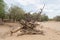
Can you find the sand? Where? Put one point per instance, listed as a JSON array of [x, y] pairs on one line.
[[49, 28]]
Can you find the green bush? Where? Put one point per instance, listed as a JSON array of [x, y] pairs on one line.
[[16, 13], [57, 18], [38, 17], [44, 17]]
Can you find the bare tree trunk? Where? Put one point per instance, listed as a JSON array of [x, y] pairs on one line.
[[1, 21]]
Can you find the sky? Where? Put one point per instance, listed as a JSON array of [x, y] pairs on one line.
[[52, 7]]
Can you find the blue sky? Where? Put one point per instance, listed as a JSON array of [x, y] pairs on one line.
[[52, 7]]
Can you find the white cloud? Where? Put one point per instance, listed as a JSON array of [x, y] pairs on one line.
[[27, 2]]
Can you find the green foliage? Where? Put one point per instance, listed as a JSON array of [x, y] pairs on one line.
[[44, 17], [38, 17], [57, 18], [16, 13], [2, 9]]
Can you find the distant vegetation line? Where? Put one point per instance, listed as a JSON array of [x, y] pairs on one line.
[[15, 13]]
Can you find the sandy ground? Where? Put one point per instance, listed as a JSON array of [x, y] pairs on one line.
[[51, 31]]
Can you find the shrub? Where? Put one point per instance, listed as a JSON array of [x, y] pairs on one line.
[[57, 18]]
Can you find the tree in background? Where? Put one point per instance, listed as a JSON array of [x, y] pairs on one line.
[[16, 13], [2, 9], [36, 16], [57, 18], [44, 17]]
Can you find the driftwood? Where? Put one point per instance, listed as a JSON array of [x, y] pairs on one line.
[[28, 28]]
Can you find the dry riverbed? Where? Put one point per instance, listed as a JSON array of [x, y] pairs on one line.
[[51, 31]]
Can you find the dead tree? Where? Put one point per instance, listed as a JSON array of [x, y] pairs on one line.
[[29, 25], [40, 12]]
